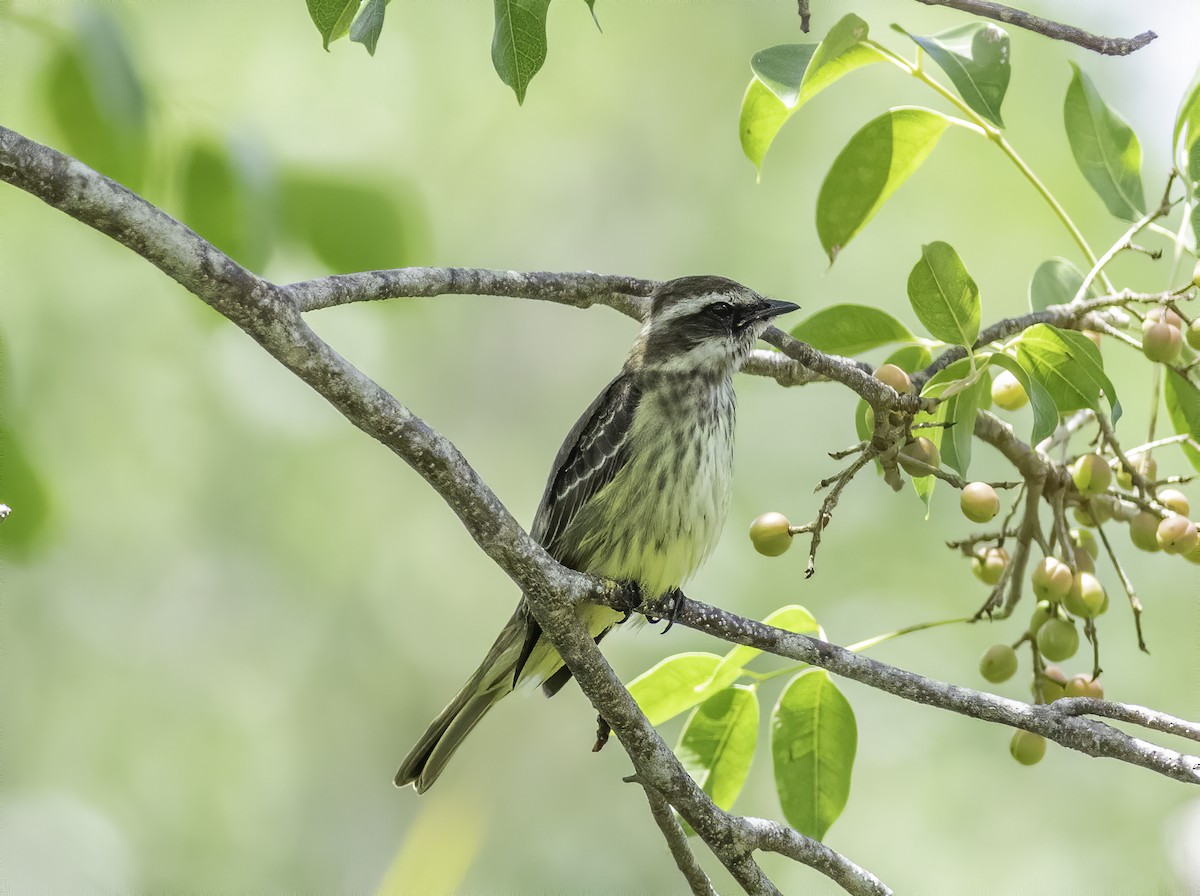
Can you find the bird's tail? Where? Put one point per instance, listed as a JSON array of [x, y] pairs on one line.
[[493, 680]]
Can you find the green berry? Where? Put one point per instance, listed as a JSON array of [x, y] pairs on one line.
[[979, 502], [990, 567], [1174, 499], [1086, 599], [1162, 343], [1051, 579], [917, 452], [1050, 685], [771, 534], [1043, 611], [894, 377], [1007, 391], [999, 663], [1143, 531], [1027, 748], [1177, 535], [1058, 640], [1092, 474]]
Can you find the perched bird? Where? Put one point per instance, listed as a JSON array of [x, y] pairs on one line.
[[638, 493]]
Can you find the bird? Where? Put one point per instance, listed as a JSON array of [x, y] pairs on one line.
[[638, 492]]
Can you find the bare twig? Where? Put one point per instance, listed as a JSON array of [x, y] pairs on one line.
[[677, 842], [1106, 46]]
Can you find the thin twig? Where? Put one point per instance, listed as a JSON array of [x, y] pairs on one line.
[[1105, 46], [677, 841]]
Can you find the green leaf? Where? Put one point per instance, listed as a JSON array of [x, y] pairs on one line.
[[943, 295], [1105, 148], [1194, 174], [95, 97], [1187, 119], [1183, 407], [1045, 412], [673, 686], [717, 743], [958, 411], [876, 161], [813, 741], [332, 18], [789, 75], [519, 42], [350, 225], [227, 200], [1055, 282], [369, 24], [976, 59], [850, 329], [1069, 365]]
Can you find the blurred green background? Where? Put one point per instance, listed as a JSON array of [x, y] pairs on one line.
[[227, 614]]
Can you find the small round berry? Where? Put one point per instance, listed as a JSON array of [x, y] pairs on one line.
[[1161, 314], [1051, 579], [1058, 640], [1092, 474], [1092, 512], [1162, 343], [770, 534], [894, 377], [1085, 539], [1041, 613], [1173, 499], [1086, 598], [990, 567], [1143, 531], [1193, 556], [1177, 535], [1050, 685], [1007, 391], [1084, 686], [1196, 274], [1026, 747], [999, 663], [919, 452], [979, 502], [1193, 334]]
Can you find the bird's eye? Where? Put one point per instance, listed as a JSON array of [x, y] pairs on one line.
[[721, 309]]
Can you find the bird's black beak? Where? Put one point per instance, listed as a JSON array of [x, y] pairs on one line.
[[770, 309]]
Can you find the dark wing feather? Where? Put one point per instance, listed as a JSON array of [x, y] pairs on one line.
[[595, 450]]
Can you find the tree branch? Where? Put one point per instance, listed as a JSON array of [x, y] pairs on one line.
[[1105, 46], [270, 315], [677, 841]]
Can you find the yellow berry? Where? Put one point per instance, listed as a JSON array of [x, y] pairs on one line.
[[919, 452], [1027, 748], [1091, 474], [1051, 579], [979, 502], [990, 567], [1175, 500], [771, 534], [1007, 391], [894, 377], [1162, 343], [1177, 535], [1086, 599], [999, 663]]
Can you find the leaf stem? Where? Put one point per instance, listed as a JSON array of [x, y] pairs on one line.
[[995, 135]]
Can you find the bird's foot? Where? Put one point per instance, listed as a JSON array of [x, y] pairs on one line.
[[676, 597], [629, 598]]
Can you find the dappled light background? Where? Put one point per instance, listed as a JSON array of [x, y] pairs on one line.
[[227, 614]]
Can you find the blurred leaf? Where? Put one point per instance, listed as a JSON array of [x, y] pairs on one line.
[[910, 358], [1055, 282], [672, 686], [1069, 365], [976, 59], [96, 98], [717, 743], [813, 741], [227, 200], [430, 862], [943, 295], [22, 489], [1183, 406], [1045, 412], [1105, 148], [1194, 174], [958, 410], [876, 161], [1187, 119], [369, 24], [792, 618], [861, 428], [349, 225], [332, 18], [519, 42], [850, 329], [789, 75]]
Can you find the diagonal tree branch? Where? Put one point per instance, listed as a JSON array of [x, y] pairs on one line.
[[1105, 46]]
